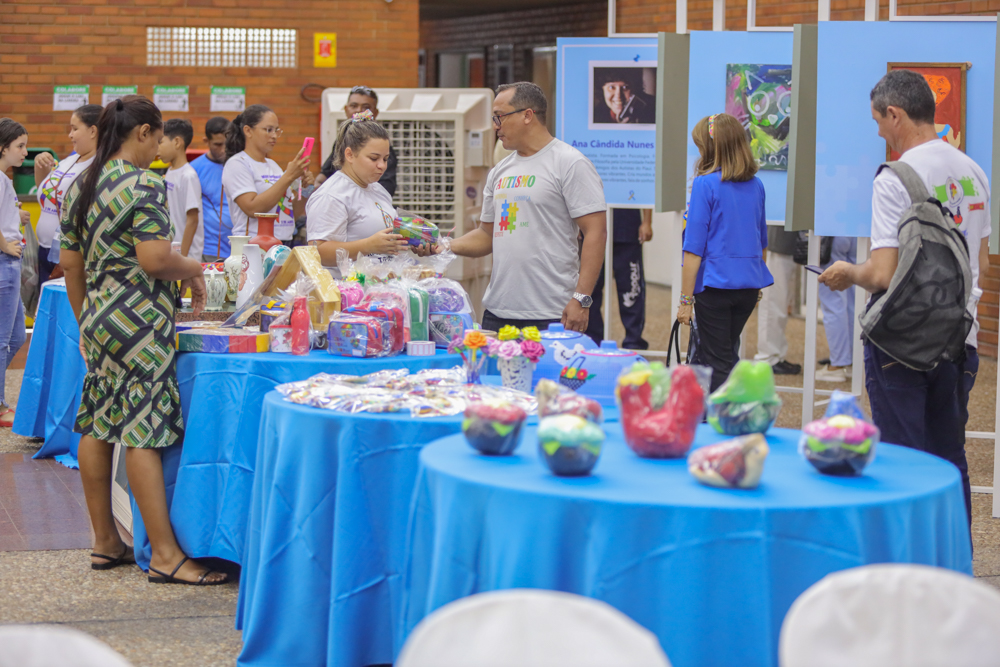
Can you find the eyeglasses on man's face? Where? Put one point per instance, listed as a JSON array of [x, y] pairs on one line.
[[498, 118]]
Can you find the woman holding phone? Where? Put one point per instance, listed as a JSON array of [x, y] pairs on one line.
[[254, 183]]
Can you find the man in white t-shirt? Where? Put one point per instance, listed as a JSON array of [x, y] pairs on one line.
[[924, 410], [183, 188], [536, 204]]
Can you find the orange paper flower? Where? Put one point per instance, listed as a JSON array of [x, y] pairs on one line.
[[475, 339]]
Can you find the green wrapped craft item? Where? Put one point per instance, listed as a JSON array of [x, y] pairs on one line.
[[570, 445], [747, 402], [420, 306], [416, 231]]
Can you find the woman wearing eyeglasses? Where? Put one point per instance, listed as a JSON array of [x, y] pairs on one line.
[[254, 183]]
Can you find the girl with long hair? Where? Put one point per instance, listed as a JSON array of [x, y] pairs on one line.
[[724, 243], [53, 180], [351, 210], [121, 278], [13, 151]]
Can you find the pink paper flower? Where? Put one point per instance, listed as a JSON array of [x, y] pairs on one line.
[[457, 344], [532, 350], [509, 349], [493, 347]]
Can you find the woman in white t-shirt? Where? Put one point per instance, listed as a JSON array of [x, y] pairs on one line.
[[254, 183], [351, 210], [13, 150], [53, 181]]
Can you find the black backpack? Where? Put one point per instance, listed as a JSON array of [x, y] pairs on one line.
[[921, 319]]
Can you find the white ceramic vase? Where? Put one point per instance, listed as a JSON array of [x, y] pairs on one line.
[[233, 265], [251, 274], [516, 373], [215, 287]]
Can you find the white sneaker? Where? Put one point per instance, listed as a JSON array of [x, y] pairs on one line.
[[838, 375]]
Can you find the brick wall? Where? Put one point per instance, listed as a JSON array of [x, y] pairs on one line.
[[989, 308], [524, 29], [103, 42]]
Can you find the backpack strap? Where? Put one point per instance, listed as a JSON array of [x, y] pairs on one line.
[[911, 180]]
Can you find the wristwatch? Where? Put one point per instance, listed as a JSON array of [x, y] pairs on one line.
[[585, 299]]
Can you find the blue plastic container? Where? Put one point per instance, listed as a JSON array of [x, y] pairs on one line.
[[560, 347], [594, 373]]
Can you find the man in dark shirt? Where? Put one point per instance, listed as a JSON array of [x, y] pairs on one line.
[[361, 98], [632, 228]]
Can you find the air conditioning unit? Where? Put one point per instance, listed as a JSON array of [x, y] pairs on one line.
[[444, 140]]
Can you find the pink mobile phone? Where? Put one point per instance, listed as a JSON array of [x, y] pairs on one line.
[[307, 147]]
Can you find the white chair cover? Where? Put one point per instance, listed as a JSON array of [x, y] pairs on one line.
[[893, 616], [54, 646], [530, 628]]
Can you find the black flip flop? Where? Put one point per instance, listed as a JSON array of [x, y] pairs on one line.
[[165, 578], [112, 561]]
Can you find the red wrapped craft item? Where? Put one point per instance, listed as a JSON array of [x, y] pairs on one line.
[[734, 464], [555, 399], [655, 428]]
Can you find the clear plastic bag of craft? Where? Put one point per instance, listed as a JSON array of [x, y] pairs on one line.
[[746, 402], [280, 329], [353, 334]]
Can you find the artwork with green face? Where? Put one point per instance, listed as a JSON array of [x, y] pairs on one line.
[[760, 97]]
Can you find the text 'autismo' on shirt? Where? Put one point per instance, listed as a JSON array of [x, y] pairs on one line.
[[52, 194], [243, 174], [341, 210], [183, 195], [726, 227], [531, 204], [954, 179], [216, 234]]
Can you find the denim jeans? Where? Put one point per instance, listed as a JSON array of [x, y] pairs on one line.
[[12, 333], [923, 410]]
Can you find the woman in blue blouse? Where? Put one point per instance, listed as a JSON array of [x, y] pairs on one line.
[[724, 243]]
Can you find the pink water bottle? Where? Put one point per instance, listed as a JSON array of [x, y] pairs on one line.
[[300, 325]]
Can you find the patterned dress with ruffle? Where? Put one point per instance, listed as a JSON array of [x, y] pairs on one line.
[[130, 393]]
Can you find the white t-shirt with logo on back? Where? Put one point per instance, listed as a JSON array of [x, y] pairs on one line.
[[183, 195], [958, 183], [243, 174], [532, 203], [52, 193]]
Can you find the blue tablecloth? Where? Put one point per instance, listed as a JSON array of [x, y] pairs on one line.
[[321, 581], [53, 377], [711, 572]]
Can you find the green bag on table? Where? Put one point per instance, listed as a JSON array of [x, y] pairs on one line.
[[420, 304]]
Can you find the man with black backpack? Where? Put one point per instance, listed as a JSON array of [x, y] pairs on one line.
[[930, 222]]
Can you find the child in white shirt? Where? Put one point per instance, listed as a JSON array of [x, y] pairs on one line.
[[183, 188]]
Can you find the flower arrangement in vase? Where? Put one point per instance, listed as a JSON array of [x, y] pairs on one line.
[[468, 347], [517, 352]]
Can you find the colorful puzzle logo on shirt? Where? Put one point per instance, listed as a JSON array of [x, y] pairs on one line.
[[954, 192], [508, 217]]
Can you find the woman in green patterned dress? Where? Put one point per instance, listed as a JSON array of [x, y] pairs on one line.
[[121, 279]]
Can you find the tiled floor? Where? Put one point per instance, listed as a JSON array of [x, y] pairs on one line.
[[41, 505]]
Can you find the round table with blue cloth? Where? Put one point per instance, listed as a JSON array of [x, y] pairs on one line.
[[210, 476], [321, 580], [711, 572]]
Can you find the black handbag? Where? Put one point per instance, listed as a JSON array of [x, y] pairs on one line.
[[675, 342]]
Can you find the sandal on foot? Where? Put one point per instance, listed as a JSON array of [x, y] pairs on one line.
[[7, 418], [165, 578], [112, 561]]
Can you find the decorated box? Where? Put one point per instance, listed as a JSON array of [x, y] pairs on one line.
[[359, 335], [222, 341], [326, 296]]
